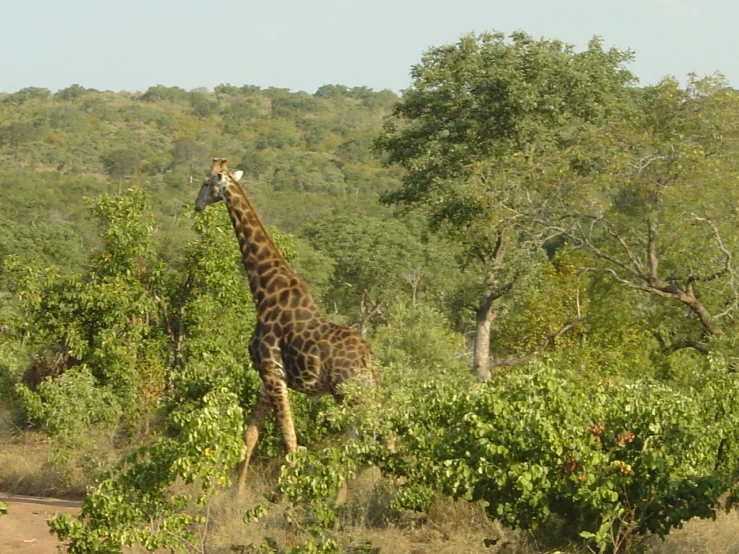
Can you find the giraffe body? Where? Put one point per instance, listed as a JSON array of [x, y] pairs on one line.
[[293, 345]]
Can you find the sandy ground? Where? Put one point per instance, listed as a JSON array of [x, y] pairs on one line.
[[24, 530]]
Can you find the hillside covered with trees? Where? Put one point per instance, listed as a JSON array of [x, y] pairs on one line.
[[541, 253]]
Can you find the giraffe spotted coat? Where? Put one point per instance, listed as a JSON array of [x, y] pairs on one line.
[[293, 345]]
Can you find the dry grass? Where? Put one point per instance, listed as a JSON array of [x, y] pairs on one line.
[[450, 527], [227, 531], [702, 536], [24, 469], [366, 523]]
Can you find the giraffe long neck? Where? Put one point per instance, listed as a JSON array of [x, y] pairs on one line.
[[259, 253]]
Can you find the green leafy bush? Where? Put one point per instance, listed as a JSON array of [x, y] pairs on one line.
[[138, 502], [70, 407], [611, 459]]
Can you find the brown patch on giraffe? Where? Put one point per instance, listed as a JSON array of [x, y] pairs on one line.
[[324, 348], [302, 315], [271, 315], [262, 254], [264, 267], [285, 318], [274, 285], [283, 297]]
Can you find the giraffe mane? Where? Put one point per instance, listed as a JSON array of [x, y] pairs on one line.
[[258, 220]]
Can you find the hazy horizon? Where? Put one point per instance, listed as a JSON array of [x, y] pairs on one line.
[[300, 46]]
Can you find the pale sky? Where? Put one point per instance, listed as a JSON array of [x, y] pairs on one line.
[[303, 44]]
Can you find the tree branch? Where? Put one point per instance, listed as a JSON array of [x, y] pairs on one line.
[[676, 345], [728, 256], [510, 361], [652, 250], [649, 283]]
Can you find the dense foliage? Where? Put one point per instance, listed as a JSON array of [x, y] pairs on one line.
[[570, 236]]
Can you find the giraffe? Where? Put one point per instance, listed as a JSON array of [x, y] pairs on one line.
[[293, 346]]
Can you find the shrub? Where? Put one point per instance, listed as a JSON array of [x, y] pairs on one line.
[[136, 502], [611, 459]]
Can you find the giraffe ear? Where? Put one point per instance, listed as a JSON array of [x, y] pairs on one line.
[[237, 175]]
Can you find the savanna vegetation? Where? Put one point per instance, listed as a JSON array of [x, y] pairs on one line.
[[540, 251]]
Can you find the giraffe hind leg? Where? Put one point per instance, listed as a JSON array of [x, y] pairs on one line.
[[251, 433]]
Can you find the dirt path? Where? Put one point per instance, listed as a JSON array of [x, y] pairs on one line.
[[23, 530]]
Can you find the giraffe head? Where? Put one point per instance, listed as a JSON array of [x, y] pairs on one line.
[[212, 189]]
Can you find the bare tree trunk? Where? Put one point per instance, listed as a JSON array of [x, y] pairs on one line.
[[484, 318], [485, 313], [367, 310], [413, 278], [175, 330]]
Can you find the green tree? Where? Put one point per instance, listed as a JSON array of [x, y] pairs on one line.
[[189, 153], [16, 135], [121, 162], [138, 502], [613, 460], [72, 92], [375, 262], [654, 207], [159, 93], [29, 95], [102, 322], [307, 172], [484, 127]]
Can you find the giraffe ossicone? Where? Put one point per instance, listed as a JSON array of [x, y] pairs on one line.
[[293, 346]]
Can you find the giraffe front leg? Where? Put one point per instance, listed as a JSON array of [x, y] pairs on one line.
[[251, 433], [281, 402]]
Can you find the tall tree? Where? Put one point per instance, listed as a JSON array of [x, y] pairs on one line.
[[121, 162], [483, 127], [376, 262], [16, 135], [189, 153], [656, 209]]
